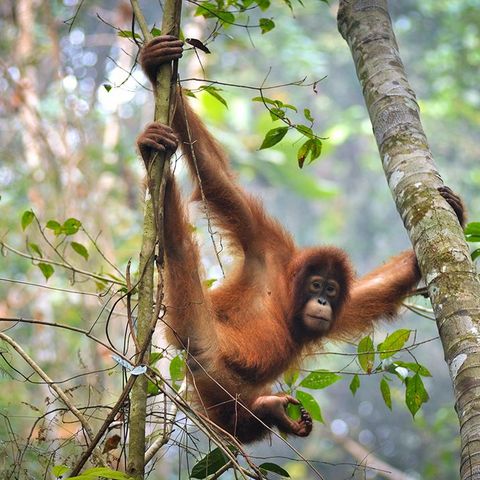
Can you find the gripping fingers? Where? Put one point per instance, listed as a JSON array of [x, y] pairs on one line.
[[289, 399], [160, 50], [156, 137], [162, 134]]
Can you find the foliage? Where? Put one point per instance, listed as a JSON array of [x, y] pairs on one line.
[[472, 234], [88, 109], [409, 373]]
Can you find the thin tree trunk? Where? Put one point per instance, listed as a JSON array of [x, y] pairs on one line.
[[152, 243], [413, 178]]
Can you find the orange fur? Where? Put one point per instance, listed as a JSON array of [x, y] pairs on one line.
[[242, 335]]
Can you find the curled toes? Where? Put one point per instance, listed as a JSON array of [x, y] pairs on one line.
[[305, 422]]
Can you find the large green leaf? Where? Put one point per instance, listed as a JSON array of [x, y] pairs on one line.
[[393, 343], [355, 384], [27, 218], [273, 137], [415, 393], [273, 467], [386, 395], [310, 405], [319, 379], [209, 464], [366, 354]]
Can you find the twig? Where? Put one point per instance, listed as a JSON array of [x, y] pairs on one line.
[[65, 327], [167, 429], [368, 460], [81, 418], [60, 264], [129, 309], [110, 418], [100, 251]]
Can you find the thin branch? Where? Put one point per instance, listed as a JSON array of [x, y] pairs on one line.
[[100, 251], [110, 418], [65, 327], [298, 83], [41, 373], [367, 459], [49, 287], [167, 428], [129, 310], [60, 264]]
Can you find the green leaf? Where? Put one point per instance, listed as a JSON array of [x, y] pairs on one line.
[[35, 248], [308, 115], [386, 395], [287, 105], [276, 114], [291, 376], [319, 379], [155, 357], [316, 149], [476, 254], [304, 130], [209, 10], [156, 32], [59, 470], [71, 226], [209, 464], [414, 367], [188, 93], [46, 269], [273, 467], [213, 91], [355, 384], [27, 218], [312, 146], [473, 228], [415, 393], [177, 368], [100, 286], [152, 389], [266, 25], [263, 4], [209, 282], [107, 87], [55, 226], [273, 137], [103, 472], [303, 152], [128, 34], [266, 100], [310, 405], [80, 249], [366, 354], [393, 343], [294, 411]]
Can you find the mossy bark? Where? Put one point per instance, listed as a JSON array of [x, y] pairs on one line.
[[412, 175], [152, 242]]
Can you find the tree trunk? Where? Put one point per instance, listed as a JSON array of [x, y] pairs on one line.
[[442, 253]]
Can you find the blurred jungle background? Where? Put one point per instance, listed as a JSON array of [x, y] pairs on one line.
[[71, 106]]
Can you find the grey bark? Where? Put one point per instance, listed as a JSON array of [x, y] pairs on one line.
[[412, 175]]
